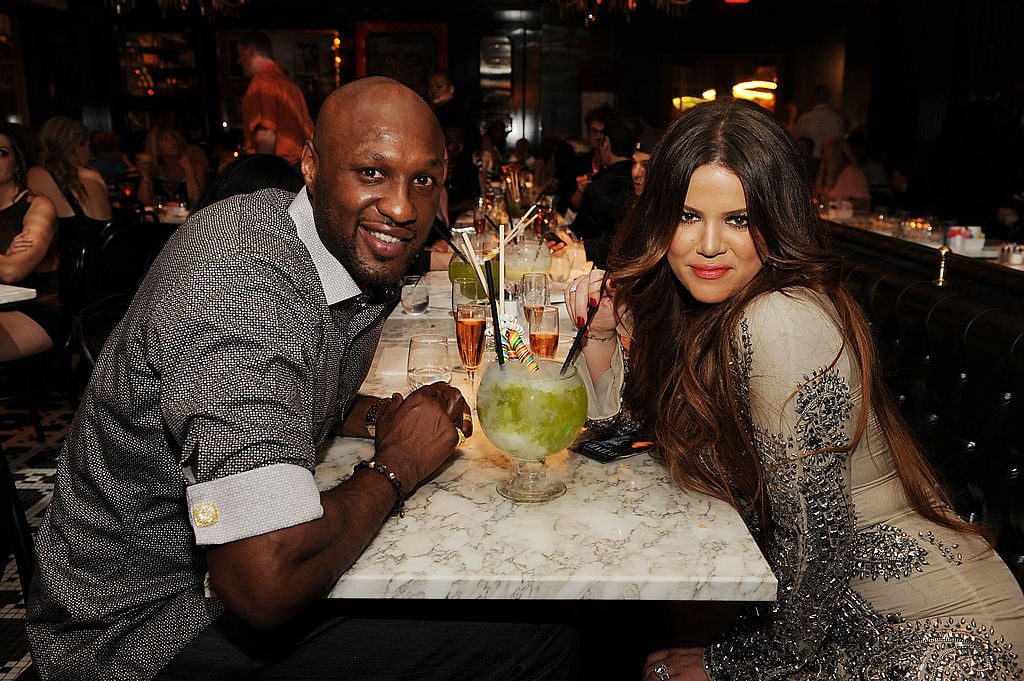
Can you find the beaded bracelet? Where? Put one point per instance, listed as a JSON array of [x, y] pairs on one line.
[[600, 340], [399, 506]]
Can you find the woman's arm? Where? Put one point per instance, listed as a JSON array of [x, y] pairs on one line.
[[39, 228], [801, 403], [97, 195]]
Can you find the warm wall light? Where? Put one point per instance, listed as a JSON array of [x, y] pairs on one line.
[[755, 90]]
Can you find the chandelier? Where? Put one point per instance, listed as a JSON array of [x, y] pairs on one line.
[[593, 9], [204, 7]]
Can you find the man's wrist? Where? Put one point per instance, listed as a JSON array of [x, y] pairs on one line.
[[373, 413]]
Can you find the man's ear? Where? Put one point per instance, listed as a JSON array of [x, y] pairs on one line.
[[308, 163]]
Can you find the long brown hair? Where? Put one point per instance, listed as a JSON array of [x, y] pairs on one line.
[[679, 382], [59, 139]]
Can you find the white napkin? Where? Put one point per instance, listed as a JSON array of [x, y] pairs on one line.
[[393, 361]]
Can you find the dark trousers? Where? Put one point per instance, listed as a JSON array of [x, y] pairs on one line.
[[322, 645]]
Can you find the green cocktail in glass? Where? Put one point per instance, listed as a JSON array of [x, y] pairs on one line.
[[460, 269], [530, 416]]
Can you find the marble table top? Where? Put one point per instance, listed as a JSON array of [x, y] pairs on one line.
[[622, 531], [12, 294]]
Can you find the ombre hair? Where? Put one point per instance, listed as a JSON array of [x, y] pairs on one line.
[[680, 353], [59, 140]]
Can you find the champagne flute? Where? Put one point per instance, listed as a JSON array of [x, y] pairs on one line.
[[544, 331], [533, 295], [470, 328], [429, 361]]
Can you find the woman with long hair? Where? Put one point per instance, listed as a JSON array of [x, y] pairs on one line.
[[28, 226], [725, 334], [77, 190]]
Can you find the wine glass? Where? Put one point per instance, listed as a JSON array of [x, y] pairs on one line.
[[467, 291], [533, 295], [429, 361], [543, 329], [529, 416], [470, 328]]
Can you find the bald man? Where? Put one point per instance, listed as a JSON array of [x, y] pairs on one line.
[[195, 444]]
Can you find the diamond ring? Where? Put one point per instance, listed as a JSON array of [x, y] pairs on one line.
[[661, 671]]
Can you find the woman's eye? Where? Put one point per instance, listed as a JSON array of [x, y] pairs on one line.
[[739, 221], [688, 218]]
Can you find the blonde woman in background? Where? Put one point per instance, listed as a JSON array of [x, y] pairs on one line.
[[77, 190], [169, 172]]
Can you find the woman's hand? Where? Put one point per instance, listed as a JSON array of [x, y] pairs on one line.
[[22, 242], [593, 288], [677, 664]]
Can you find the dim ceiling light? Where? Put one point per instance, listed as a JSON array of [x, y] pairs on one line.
[[592, 10]]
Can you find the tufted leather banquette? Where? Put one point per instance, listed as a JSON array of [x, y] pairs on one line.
[[955, 365]]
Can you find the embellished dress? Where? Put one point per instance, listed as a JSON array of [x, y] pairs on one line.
[[868, 589]]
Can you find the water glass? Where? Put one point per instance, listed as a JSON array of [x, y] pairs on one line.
[[543, 328], [415, 295], [429, 360]]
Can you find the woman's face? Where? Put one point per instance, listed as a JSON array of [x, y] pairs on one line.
[[712, 253], [167, 144], [8, 163]]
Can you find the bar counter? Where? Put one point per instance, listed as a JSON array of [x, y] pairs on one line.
[[622, 531], [863, 241]]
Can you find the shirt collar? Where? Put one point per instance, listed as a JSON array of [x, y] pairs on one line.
[[337, 282]]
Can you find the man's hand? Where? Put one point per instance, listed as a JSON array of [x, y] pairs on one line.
[[416, 434]]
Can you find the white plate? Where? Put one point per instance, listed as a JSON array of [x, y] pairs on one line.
[[988, 252]]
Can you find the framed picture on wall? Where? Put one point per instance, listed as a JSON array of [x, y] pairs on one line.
[[409, 52]]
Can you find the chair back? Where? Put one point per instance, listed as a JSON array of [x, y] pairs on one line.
[[93, 324], [124, 253]]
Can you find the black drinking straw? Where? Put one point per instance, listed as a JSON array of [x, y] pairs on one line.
[[577, 342], [494, 311], [438, 227]]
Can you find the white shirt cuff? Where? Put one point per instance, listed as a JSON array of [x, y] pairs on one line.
[[251, 503]]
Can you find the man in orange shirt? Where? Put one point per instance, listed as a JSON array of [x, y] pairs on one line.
[[274, 113]]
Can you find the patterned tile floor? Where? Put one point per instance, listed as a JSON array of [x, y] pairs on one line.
[[33, 465]]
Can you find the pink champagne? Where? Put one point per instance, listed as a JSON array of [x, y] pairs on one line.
[[470, 335], [532, 312], [544, 343]]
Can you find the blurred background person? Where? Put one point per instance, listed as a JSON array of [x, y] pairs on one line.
[[840, 178], [608, 196], [28, 230], [275, 117], [462, 183], [77, 190], [642, 154], [107, 155], [247, 174], [171, 175], [820, 122]]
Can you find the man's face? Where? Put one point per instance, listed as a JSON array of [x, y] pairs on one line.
[[595, 133], [439, 90], [640, 159], [245, 55], [374, 177]]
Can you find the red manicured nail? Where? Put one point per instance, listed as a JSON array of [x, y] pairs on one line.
[[593, 302], [580, 321]]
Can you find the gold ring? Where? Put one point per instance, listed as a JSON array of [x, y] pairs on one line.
[[462, 437], [467, 417]]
